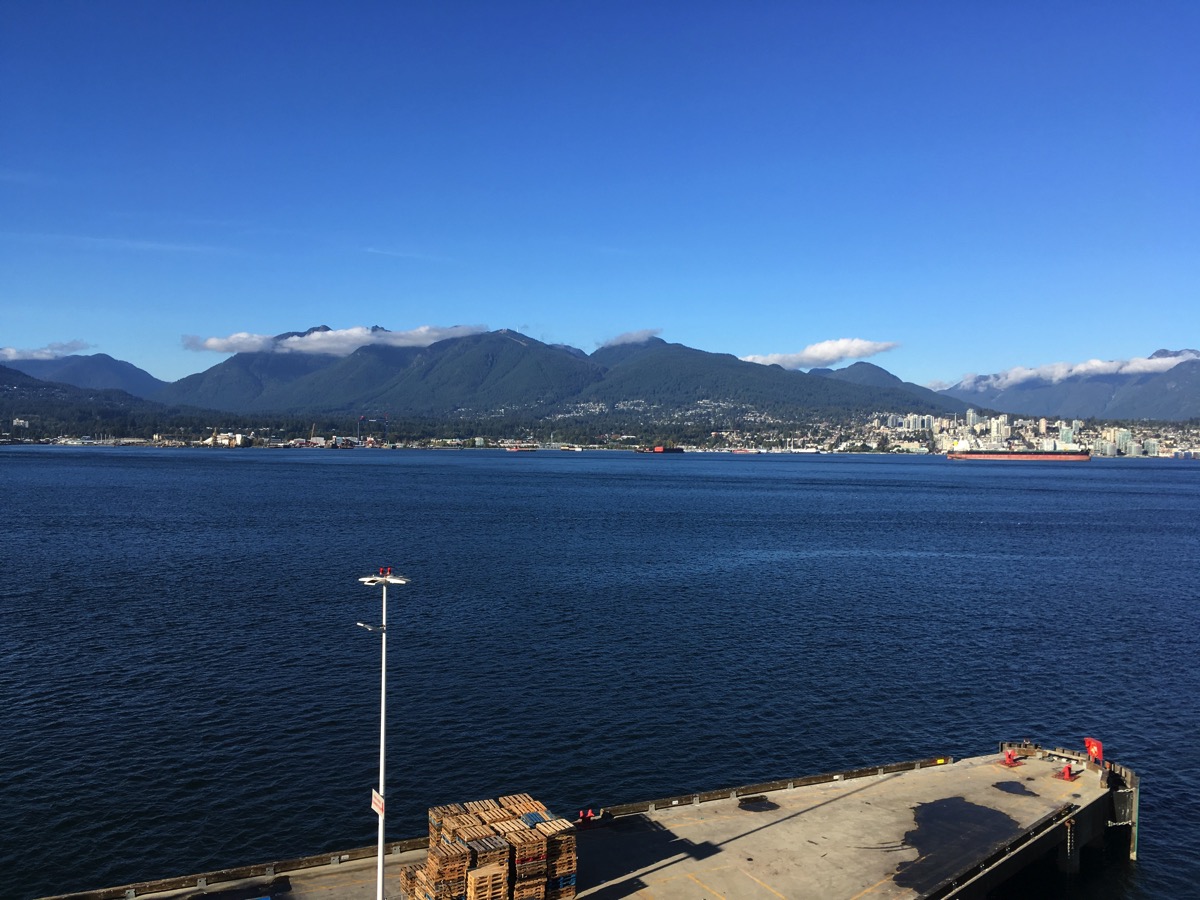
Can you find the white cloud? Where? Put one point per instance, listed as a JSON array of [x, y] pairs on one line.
[[241, 342], [335, 342], [825, 353], [1056, 372], [50, 351], [633, 337]]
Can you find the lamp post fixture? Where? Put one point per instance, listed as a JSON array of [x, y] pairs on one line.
[[383, 579]]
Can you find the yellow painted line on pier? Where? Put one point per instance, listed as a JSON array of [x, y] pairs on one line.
[[873, 888], [689, 822], [762, 884], [706, 887]]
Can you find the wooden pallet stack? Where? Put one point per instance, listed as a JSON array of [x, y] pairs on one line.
[[561, 861], [507, 849], [529, 864], [446, 869], [438, 815], [488, 851], [408, 881], [455, 826], [488, 882]]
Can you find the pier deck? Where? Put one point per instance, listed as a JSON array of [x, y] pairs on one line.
[[932, 829], [899, 835]]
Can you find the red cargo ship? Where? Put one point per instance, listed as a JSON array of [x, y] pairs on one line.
[[1025, 455]]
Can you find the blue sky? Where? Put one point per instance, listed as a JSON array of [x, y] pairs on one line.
[[943, 187]]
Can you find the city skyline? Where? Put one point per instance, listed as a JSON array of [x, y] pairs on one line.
[[938, 190]]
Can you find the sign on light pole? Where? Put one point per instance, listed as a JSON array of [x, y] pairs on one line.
[[383, 579]]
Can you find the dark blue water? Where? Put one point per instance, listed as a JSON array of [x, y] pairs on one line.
[[183, 687]]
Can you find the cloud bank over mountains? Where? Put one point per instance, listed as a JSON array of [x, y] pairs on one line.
[[329, 341], [344, 341], [633, 337], [825, 353], [50, 351], [1057, 372]]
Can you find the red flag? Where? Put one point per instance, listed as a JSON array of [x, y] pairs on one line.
[[1095, 749]]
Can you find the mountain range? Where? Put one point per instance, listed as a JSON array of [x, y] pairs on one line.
[[505, 374], [1094, 392]]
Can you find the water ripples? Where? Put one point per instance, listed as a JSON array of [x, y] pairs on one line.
[[186, 689]]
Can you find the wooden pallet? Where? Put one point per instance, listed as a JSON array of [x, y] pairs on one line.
[[561, 867], [447, 862], [508, 826], [492, 816], [512, 799], [408, 875], [529, 890], [489, 850], [554, 854], [522, 803], [529, 845], [555, 826], [560, 836], [438, 815], [488, 882], [452, 825], [441, 890], [476, 806], [473, 833]]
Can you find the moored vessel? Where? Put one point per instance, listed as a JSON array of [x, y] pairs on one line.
[[1023, 455]]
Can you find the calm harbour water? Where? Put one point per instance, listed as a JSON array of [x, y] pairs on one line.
[[184, 687]]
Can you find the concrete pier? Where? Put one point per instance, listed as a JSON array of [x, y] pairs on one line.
[[934, 828]]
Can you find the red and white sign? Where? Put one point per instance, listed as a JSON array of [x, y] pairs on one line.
[[377, 801]]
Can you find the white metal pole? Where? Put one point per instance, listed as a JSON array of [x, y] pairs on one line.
[[383, 579], [382, 737]]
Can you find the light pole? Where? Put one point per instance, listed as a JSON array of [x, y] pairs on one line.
[[384, 578]]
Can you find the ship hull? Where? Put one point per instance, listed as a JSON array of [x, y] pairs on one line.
[[1022, 455]]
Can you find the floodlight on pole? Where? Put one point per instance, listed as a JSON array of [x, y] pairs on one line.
[[383, 579]]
